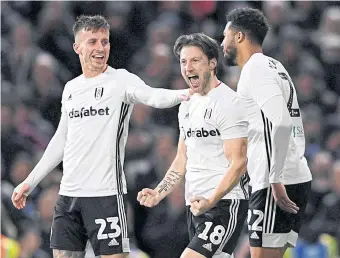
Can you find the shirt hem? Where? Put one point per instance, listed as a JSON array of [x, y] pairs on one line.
[[228, 197], [84, 193], [261, 186], [298, 181]]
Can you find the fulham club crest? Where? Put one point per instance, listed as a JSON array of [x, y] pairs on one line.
[[207, 114], [98, 93]]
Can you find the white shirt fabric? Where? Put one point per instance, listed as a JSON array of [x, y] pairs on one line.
[[276, 142], [205, 121], [93, 129]]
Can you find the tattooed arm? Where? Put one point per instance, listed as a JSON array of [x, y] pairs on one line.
[[172, 178], [68, 254]]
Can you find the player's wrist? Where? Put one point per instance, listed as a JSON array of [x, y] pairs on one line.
[[212, 200], [160, 195]]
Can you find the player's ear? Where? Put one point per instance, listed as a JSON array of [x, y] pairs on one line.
[[240, 37], [76, 48], [213, 63]]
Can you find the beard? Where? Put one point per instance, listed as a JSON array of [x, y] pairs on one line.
[[230, 58], [204, 83]]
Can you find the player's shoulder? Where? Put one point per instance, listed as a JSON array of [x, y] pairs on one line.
[[125, 75], [74, 82], [260, 64], [184, 106], [224, 88], [224, 94], [225, 98]]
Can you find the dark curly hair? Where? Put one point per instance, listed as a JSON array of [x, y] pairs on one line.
[[208, 45], [251, 22], [88, 22]]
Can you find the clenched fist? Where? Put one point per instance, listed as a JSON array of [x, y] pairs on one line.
[[199, 205]]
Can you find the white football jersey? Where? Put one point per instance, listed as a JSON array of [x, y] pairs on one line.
[[205, 121], [95, 117], [254, 88]]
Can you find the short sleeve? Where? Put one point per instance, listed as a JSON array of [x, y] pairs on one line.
[[231, 119]]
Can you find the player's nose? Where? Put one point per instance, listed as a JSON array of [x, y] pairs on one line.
[[188, 68], [99, 46], [222, 45]]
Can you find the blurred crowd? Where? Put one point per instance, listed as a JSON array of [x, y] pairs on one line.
[[37, 59]]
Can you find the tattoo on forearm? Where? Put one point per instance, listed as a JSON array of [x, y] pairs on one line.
[[67, 254], [170, 181]]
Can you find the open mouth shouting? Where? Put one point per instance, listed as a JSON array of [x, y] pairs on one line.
[[194, 80]]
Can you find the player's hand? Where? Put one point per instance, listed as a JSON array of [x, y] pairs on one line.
[[184, 97], [148, 197], [282, 200], [199, 205], [19, 196]]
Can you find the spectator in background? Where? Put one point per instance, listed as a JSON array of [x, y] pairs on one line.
[[158, 71], [123, 42], [320, 168], [46, 203], [20, 56], [12, 142], [327, 37], [47, 88], [327, 217], [56, 36]]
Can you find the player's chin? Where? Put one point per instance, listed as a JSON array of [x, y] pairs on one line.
[[99, 63], [197, 89]]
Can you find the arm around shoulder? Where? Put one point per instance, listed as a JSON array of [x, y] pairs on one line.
[[138, 92]]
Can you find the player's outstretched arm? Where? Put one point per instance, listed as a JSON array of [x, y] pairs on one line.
[[138, 92], [235, 151], [173, 177], [160, 98], [51, 158]]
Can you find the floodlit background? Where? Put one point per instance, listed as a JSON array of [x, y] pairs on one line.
[[37, 60]]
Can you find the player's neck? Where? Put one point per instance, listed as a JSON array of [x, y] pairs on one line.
[[214, 82], [92, 73], [246, 53]]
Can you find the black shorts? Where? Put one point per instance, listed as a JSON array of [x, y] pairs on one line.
[[102, 220], [268, 225], [218, 229]]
